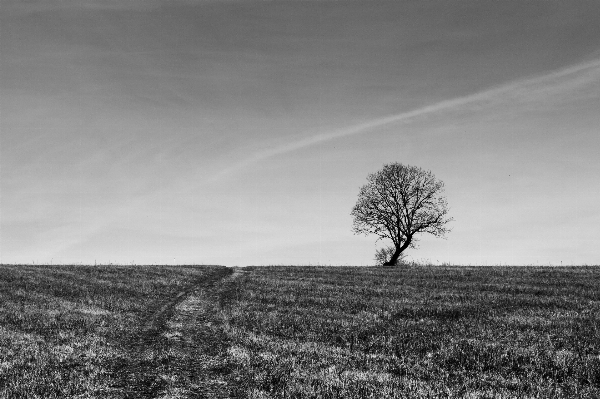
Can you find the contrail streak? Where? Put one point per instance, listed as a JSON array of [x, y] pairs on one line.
[[515, 88]]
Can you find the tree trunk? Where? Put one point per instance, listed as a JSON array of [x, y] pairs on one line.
[[399, 249], [394, 259]]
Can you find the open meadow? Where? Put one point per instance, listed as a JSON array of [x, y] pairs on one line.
[[299, 332], [90, 331]]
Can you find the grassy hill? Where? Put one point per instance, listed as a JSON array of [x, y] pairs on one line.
[[90, 331], [299, 332]]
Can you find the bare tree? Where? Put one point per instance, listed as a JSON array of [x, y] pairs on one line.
[[399, 202]]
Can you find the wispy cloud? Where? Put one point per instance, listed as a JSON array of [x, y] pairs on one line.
[[526, 90]]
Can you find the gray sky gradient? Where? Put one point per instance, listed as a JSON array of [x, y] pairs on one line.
[[535, 89], [240, 132]]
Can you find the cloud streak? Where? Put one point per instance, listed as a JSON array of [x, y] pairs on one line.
[[538, 87]]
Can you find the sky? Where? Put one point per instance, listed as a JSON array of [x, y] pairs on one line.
[[240, 132]]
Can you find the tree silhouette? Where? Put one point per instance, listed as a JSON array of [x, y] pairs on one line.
[[399, 202]]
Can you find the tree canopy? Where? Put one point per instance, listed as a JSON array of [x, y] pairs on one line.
[[397, 203]]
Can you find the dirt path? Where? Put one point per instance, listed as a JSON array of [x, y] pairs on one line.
[[160, 352], [156, 322], [200, 366]]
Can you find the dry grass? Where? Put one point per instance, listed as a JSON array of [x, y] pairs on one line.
[[299, 332], [71, 331], [421, 332]]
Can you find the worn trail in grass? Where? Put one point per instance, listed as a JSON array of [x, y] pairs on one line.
[[99, 331], [160, 364]]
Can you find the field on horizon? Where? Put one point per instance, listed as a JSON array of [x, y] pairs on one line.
[[299, 332], [91, 331]]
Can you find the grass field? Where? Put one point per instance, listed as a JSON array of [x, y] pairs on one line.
[[299, 332], [418, 332], [88, 331]]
